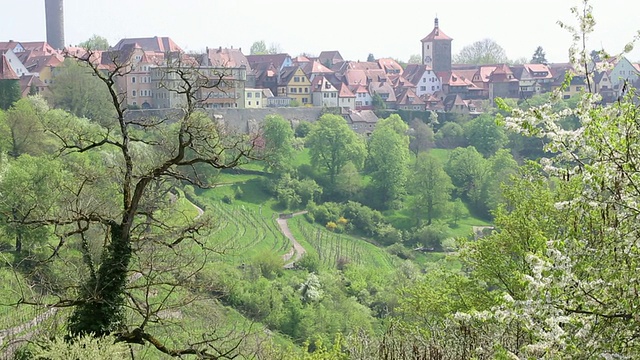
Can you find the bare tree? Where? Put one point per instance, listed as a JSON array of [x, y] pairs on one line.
[[485, 51]]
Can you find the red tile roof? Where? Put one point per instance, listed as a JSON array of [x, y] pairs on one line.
[[158, 44], [6, 71], [436, 34]]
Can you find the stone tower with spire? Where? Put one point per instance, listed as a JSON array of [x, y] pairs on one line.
[[55, 23], [436, 49]]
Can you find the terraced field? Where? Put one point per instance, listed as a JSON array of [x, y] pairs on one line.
[[333, 249]]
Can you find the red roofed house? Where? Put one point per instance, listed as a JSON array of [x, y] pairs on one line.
[[323, 93], [346, 98], [9, 84], [502, 83], [423, 77]]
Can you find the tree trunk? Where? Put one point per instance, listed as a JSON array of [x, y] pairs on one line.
[[102, 297]]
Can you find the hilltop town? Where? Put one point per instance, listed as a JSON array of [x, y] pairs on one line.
[[328, 80]]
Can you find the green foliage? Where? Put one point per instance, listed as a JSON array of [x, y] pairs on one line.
[[78, 91], [332, 144], [421, 137], [278, 148], [388, 158], [378, 102], [82, 348], [9, 93], [431, 236], [431, 187], [467, 169], [40, 182], [95, 43], [22, 130], [303, 129], [450, 136], [485, 134], [270, 264]]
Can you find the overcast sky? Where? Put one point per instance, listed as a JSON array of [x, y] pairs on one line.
[[353, 27]]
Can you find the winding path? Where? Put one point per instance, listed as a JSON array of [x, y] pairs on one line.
[[297, 249]]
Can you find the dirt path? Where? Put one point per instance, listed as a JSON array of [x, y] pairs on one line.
[[297, 249]]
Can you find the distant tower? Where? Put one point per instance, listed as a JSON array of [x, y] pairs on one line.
[[436, 49], [55, 23]]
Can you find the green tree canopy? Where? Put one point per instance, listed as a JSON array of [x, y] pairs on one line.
[[95, 42], [332, 144], [78, 91], [431, 187], [278, 148], [388, 158], [485, 134]]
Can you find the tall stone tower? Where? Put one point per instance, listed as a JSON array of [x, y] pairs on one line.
[[55, 23], [436, 49]]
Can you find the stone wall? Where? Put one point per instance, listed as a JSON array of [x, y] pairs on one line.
[[241, 120]]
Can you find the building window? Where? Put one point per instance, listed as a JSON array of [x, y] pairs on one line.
[[133, 93], [300, 90], [296, 79], [306, 90], [249, 103], [133, 79], [257, 103], [433, 88], [304, 100], [249, 95], [423, 88]]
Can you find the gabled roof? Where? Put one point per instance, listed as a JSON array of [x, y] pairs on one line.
[[232, 58], [39, 47], [35, 64], [264, 70], [158, 44], [389, 65], [355, 77], [362, 116], [6, 71], [286, 74], [409, 97], [330, 57], [300, 59], [315, 67], [453, 100], [276, 59], [454, 79], [376, 75], [414, 72], [436, 34], [8, 45], [383, 88], [399, 82], [27, 80], [502, 73], [539, 68], [320, 83], [345, 92]]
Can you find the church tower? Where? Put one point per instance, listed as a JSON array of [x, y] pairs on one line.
[[436, 49], [55, 23]]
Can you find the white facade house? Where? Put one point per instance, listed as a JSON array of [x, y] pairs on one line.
[[253, 99], [623, 71], [323, 93]]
